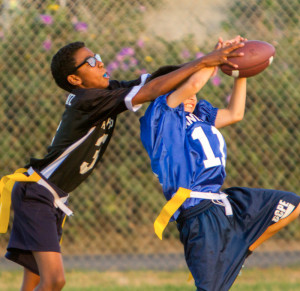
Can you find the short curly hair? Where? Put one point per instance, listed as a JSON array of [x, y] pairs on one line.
[[63, 64]]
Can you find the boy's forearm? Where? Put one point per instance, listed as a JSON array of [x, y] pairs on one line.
[[191, 87], [168, 82], [172, 80], [238, 98]]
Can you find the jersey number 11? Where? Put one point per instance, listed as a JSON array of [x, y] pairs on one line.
[[211, 159]]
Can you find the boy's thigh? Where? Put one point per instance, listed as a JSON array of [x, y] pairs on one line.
[[36, 226]]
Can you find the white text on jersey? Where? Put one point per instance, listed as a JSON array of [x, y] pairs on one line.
[[191, 118], [283, 209], [70, 98], [107, 123]]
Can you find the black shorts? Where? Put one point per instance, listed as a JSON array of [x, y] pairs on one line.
[[37, 224], [217, 245]]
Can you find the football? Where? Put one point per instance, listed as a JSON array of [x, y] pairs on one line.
[[258, 55]]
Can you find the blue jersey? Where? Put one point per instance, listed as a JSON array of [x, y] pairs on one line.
[[185, 149]]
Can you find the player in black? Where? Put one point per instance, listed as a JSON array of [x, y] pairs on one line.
[[82, 137]]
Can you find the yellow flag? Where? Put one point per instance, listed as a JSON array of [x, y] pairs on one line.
[[6, 186], [169, 209]]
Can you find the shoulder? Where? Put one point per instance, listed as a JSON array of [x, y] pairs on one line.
[[82, 99], [205, 111], [158, 111], [161, 102]]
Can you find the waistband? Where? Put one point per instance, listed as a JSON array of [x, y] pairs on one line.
[[194, 210], [178, 199], [59, 202]]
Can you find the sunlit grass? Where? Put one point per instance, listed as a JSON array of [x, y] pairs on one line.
[[271, 279]]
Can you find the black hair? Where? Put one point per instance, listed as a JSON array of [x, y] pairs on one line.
[[162, 71], [63, 64]]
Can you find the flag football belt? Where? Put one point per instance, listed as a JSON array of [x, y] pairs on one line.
[[178, 199], [7, 184]]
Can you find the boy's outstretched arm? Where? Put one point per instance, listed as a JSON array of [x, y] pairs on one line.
[[236, 106], [190, 87], [164, 84]]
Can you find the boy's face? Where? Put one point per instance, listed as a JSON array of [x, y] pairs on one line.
[[88, 76], [190, 104]]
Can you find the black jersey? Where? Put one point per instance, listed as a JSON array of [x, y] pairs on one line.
[[84, 132]]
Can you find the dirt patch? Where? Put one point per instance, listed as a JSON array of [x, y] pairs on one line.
[[178, 18]]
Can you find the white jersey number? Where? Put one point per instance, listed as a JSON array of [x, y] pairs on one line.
[[211, 159], [85, 167]]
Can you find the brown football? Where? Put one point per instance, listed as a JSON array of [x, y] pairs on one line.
[[258, 55]]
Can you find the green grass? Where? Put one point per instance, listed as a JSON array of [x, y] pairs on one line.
[[271, 279]]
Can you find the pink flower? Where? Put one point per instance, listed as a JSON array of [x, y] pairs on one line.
[[140, 43], [141, 71], [47, 44], [46, 19], [120, 58], [142, 8], [216, 81], [228, 98], [81, 26], [112, 66], [124, 66], [199, 55], [185, 54], [133, 62]]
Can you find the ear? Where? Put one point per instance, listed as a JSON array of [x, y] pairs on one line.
[[74, 80]]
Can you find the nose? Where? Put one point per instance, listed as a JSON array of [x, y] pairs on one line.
[[100, 64]]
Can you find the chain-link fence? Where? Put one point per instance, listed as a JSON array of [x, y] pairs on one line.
[[115, 208]]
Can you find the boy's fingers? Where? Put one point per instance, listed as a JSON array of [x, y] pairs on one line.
[[233, 54], [231, 64]]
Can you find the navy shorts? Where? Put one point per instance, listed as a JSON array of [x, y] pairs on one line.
[[216, 245], [37, 224]]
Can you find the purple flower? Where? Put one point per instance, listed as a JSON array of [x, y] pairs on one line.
[[127, 51], [112, 66], [199, 55], [81, 26], [216, 81], [47, 44], [46, 19], [185, 54]]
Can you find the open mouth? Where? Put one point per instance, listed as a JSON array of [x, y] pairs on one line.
[[189, 105]]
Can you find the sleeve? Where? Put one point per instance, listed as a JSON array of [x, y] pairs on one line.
[[206, 112], [134, 85], [160, 125], [106, 102]]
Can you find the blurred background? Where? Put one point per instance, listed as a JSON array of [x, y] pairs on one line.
[[112, 228]]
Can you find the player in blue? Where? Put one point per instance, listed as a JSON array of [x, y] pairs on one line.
[[188, 155], [91, 109]]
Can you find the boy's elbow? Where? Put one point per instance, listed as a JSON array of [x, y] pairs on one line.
[[237, 117], [195, 86]]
